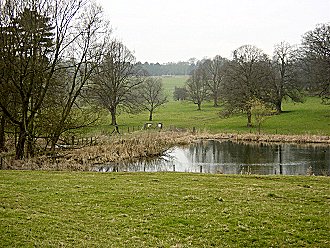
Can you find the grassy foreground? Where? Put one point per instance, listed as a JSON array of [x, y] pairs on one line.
[[75, 209]]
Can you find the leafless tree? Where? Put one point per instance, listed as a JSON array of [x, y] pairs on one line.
[[82, 57], [316, 55], [285, 81], [215, 70], [151, 95], [197, 87], [116, 79]]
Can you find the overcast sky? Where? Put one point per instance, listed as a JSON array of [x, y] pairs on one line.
[[177, 30]]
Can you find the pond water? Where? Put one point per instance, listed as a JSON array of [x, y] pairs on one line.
[[228, 157]]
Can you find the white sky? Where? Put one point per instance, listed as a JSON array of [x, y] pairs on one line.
[[177, 30]]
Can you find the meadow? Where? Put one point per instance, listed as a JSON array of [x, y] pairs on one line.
[[82, 209], [310, 117]]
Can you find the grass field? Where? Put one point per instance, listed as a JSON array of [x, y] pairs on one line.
[[62, 209], [310, 117]]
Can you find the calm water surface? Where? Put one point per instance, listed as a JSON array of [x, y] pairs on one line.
[[227, 157]]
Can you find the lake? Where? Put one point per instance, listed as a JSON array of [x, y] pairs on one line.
[[228, 157]]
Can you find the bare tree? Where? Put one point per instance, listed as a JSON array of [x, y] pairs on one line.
[[285, 80], [116, 79], [316, 55], [215, 70], [151, 95], [74, 74], [197, 86], [245, 81]]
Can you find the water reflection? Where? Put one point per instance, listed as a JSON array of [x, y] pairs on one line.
[[227, 157]]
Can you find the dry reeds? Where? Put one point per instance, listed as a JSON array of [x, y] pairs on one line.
[[140, 145], [110, 149]]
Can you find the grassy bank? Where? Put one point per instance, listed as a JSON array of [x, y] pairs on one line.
[[55, 209]]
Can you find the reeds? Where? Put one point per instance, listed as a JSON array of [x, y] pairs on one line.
[[111, 149], [137, 146]]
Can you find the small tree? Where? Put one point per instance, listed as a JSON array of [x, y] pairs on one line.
[[180, 93], [260, 112], [152, 95]]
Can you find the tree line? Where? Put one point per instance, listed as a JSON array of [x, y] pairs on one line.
[[252, 79], [179, 68], [59, 66]]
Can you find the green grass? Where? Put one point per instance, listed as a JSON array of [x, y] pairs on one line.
[[170, 82], [53, 209], [310, 117]]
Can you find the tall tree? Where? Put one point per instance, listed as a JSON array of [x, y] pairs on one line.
[[196, 86], [35, 36], [151, 95], [246, 80], [285, 79], [73, 76], [116, 79], [316, 55], [215, 70]]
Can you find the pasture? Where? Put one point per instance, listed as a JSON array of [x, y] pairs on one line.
[[82, 209], [310, 117]]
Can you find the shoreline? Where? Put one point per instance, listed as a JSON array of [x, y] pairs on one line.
[[271, 138], [140, 145]]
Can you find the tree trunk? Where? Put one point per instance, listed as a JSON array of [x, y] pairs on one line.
[[30, 147], [54, 140], [113, 117], [113, 113], [21, 144], [199, 104], [2, 133], [216, 102], [150, 115], [278, 106], [249, 118]]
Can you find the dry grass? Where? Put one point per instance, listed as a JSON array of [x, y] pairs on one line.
[[139, 145]]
